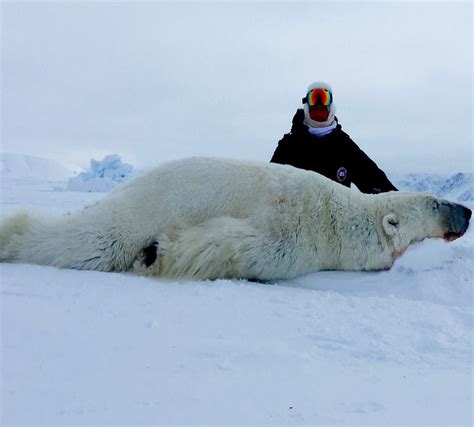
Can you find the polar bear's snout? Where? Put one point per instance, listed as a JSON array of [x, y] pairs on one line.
[[455, 220]]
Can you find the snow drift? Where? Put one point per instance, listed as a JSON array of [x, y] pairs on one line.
[[20, 166]]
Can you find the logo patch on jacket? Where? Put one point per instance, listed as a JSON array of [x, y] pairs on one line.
[[341, 174]]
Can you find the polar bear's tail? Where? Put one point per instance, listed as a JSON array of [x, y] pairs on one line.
[[63, 242], [11, 232], [29, 238]]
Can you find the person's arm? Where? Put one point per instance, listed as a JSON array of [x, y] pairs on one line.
[[367, 176]]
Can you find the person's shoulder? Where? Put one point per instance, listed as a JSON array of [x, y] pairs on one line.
[[298, 125], [338, 130], [343, 136], [299, 116], [285, 140]]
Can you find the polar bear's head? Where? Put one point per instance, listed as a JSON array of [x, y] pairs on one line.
[[409, 218]]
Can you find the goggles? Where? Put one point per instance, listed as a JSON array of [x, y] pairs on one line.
[[322, 96]]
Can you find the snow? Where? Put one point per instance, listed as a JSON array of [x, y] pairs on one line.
[[333, 348], [103, 176]]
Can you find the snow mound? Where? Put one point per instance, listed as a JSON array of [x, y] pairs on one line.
[[103, 175], [19, 166], [459, 187]]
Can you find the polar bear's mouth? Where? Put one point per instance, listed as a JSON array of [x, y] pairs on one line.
[[452, 235]]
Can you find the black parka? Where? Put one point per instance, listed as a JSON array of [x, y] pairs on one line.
[[334, 155]]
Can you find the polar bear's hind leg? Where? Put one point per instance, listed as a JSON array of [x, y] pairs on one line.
[[11, 230], [221, 248]]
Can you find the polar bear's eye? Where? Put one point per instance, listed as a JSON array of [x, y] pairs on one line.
[[435, 206]]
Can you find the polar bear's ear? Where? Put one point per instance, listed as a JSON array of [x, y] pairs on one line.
[[390, 224]]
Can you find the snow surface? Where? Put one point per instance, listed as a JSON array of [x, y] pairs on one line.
[[345, 348], [103, 176]]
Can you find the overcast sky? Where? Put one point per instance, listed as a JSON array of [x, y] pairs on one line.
[[157, 81]]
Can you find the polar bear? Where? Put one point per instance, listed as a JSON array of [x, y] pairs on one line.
[[207, 218]]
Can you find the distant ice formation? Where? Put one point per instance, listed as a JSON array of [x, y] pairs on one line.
[[458, 187], [106, 174], [103, 175]]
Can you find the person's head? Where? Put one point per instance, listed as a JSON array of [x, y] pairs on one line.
[[318, 105]]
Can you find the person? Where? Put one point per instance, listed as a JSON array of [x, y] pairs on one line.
[[318, 143]]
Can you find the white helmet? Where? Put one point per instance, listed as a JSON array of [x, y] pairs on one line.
[[308, 121]]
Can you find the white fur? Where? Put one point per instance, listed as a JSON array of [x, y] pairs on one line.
[[216, 218]]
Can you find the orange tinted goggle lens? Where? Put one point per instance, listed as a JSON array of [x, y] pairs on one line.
[[321, 96]]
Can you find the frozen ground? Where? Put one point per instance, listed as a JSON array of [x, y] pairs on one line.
[[88, 348]]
